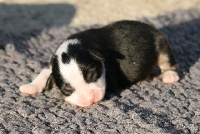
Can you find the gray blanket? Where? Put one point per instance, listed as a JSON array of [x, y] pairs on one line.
[[145, 107]]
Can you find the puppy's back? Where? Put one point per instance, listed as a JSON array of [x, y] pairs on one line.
[[128, 47], [134, 54]]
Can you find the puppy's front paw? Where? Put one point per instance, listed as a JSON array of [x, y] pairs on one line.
[[170, 77], [29, 89]]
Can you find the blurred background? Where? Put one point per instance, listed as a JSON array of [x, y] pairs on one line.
[[18, 16]]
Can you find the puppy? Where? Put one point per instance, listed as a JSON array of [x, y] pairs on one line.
[[88, 63]]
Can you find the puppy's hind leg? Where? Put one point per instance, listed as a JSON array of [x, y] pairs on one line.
[[38, 84], [169, 72], [166, 62]]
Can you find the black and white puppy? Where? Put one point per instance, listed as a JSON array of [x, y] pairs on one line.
[[88, 63]]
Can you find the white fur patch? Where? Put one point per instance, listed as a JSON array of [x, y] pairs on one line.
[[71, 73], [64, 46]]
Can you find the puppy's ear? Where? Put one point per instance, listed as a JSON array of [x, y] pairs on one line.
[[96, 55], [50, 82]]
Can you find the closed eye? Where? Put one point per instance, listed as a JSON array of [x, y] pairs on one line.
[[67, 89]]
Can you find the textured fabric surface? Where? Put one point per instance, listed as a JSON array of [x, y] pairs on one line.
[[145, 107]]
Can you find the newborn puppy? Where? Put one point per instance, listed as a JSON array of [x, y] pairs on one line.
[[88, 63]]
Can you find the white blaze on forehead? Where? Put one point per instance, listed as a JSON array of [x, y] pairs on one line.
[[71, 73], [71, 70], [68, 71], [64, 46]]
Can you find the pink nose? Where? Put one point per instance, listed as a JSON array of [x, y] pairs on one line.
[[88, 100]]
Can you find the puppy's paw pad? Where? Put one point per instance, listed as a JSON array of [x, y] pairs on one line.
[[170, 77], [29, 89]]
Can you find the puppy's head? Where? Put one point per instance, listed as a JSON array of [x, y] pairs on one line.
[[79, 73]]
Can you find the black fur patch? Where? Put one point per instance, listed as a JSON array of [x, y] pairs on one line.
[[49, 83], [65, 58], [89, 64], [56, 72]]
